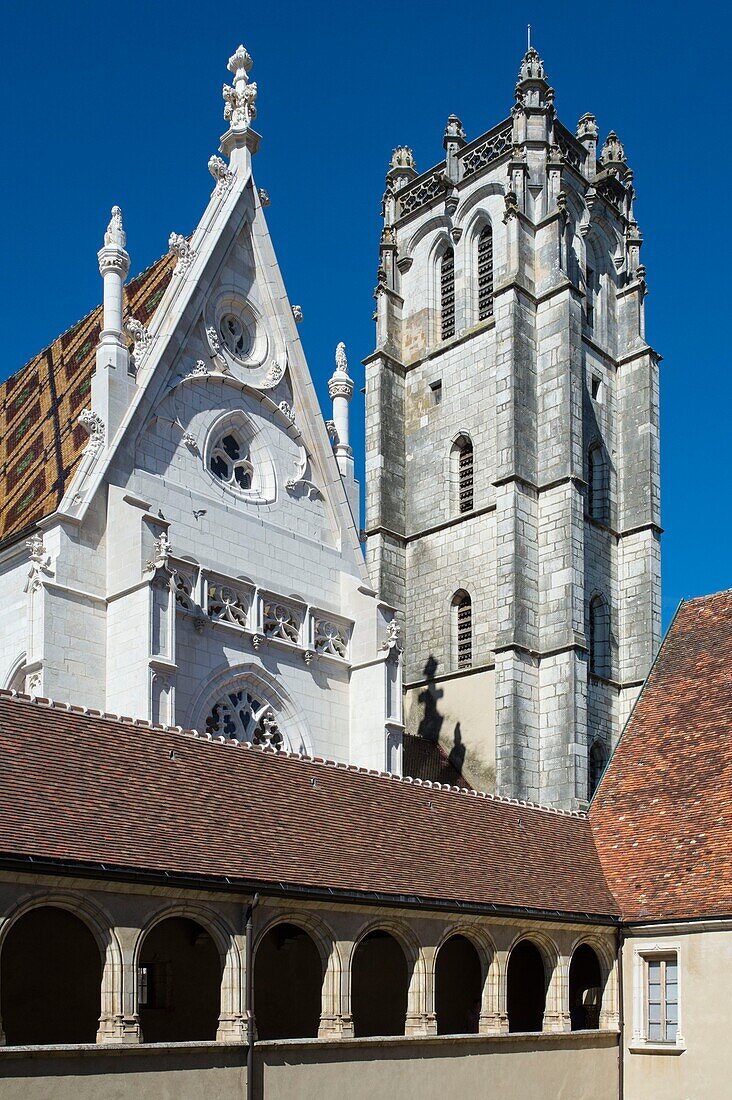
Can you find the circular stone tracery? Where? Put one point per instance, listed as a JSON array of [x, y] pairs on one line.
[[243, 717], [235, 335]]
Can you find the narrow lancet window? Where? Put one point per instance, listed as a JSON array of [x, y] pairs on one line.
[[447, 294], [465, 476], [463, 629], [485, 273]]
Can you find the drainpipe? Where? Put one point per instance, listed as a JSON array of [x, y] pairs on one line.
[[249, 994], [621, 1019]]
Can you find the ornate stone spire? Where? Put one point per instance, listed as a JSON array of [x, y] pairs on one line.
[[340, 389], [240, 104], [532, 88], [240, 101], [114, 263]]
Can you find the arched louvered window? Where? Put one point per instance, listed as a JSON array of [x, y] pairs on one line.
[[465, 476], [485, 273], [447, 294], [598, 494], [599, 636], [462, 610], [596, 766]]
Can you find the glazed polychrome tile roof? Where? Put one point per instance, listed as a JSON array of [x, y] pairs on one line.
[[41, 441], [92, 791], [662, 816]]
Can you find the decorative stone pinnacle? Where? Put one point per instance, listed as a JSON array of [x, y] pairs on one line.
[[240, 101], [402, 157], [612, 151], [115, 235], [532, 67], [454, 132], [341, 384], [240, 59], [587, 128]]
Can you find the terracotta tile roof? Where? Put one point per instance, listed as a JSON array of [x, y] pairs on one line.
[[425, 759], [41, 441], [95, 790], [662, 816]]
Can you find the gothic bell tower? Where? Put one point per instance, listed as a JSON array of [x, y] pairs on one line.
[[512, 449]]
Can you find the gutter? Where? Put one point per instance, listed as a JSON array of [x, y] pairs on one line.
[[224, 883]]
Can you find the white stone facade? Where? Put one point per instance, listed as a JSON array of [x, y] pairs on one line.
[[207, 544], [549, 377]]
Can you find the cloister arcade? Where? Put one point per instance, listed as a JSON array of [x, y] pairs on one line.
[[124, 967]]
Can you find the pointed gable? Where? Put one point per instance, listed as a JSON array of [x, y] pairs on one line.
[[41, 441]]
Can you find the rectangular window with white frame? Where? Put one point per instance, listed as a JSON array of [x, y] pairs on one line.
[[662, 998], [657, 1010]]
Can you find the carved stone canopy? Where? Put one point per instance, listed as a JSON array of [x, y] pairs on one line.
[[240, 101], [587, 128], [402, 157]]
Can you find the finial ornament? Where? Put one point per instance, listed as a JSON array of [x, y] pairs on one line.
[[240, 100], [402, 157], [454, 130], [532, 67], [612, 151], [341, 384], [115, 235]]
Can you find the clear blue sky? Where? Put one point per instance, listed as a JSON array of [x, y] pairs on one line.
[[122, 104]]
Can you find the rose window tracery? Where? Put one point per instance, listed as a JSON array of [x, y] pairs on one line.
[[230, 462], [235, 335], [244, 717]]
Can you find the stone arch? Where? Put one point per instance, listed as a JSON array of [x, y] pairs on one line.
[[490, 970], [293, 728], [101, 926], [330, 957], [477, 197], [416, 968], [608, 973], [550, 957], [437, 223], [232, 1007], [15, 678]]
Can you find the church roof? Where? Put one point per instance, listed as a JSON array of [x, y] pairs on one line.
[[41, 441], [662, 816], [109, 796]]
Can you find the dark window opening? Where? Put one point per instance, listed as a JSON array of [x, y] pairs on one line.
[[464, 630], [485, 273], [596, 766], [447, 294], [465, 476]]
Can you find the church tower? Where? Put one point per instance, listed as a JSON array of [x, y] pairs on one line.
[[512, 450]]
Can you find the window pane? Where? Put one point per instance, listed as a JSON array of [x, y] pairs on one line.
[[672, 970], [654, 1031], [672, 1014], [654, 1014], [671, 1032]]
